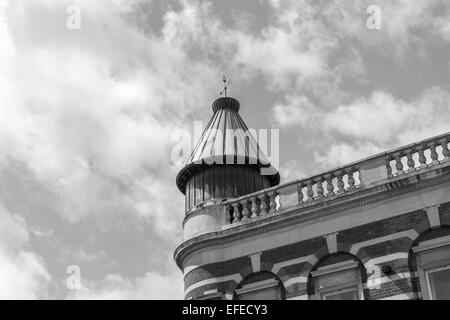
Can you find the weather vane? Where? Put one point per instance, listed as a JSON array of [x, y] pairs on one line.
[[226, 83]]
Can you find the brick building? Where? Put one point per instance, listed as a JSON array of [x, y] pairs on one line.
[[378, 228]]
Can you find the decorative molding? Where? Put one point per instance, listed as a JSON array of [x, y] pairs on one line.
[[412, 234], [302, 297], [256, 261], [294, 217], [402, 296], [234, 277], [331, 242], [432, 244], [387, 279], [260, 285], [336, 267], [389, 257], [311, 259], [291, 281], [433, 216]]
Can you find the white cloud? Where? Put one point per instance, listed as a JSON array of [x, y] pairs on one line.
[[386, 121], [343, 153], [151, 286], [381, 122], [406, 26], [91, 112], [22, 272], [291, 170], [297, 111]]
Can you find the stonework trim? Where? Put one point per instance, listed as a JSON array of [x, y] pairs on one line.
[[412, 234], [302, 297], [188, 269], [331, 242], [243, 232], [389, 257], [256, 261], [387, 279], [235, 277], [260, 285], [432, 244], [403, 296], [334, 268], [291, 281], [433, 216], [311, 259]]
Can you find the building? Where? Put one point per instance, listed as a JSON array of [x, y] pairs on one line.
[[378, 228]]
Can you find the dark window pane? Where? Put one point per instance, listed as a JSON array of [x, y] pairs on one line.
[[440, 284]]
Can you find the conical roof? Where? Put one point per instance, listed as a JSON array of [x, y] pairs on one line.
[[225, 140]]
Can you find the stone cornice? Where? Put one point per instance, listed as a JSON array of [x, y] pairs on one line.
[[299, 214]]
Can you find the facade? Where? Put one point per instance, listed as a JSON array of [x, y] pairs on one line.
[[378, 228]]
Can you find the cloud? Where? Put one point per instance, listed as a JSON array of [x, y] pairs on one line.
[[89, 114], [151, 286], [381, 122], [384, 120], [343, 153], [296, 111], [22, 272]]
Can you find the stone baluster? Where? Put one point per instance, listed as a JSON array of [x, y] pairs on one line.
[[340, 183], [434, 155], [388, 167], [228, 214], [300, 193], [309, 191], [263, 203], [272, 202], [351, 179], [245, 212], [411, 164], [236, 213], [330, 186], [320, 190], [422, 158], [254, 207], [398, 163], [445, 150]]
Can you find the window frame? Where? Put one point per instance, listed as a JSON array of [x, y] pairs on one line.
[[353, 288], [426, 266], [336, 269], [261, 285], [427, 278]]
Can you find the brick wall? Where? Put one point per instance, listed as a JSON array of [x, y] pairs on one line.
[[396, 249]]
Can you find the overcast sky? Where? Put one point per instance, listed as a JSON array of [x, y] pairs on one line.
[[86, 117]]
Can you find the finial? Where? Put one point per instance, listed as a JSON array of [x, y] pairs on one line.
[[226, 83]]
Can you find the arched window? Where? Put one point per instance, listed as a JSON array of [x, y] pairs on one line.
[[260, 286], [337, 277], [430, 257]]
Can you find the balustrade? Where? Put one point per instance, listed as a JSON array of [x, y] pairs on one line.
[[344, 180]]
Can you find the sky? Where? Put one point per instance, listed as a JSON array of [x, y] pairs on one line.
[[87, 117]]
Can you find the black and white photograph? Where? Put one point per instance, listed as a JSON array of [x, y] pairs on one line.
[[225, 150]]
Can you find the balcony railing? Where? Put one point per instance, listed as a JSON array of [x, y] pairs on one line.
[[340, 181]]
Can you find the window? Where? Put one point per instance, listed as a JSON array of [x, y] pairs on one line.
[[260, 286], [342, 294], [438, 281], [338, 281], [433, 268]]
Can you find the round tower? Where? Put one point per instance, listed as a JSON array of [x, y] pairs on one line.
[[226, 163]]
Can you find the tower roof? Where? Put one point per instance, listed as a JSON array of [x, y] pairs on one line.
[[225, 140]]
